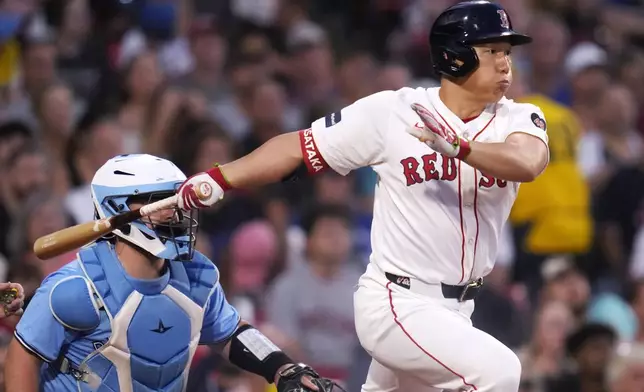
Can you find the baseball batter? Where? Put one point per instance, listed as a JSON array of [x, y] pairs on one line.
[[449, 161]]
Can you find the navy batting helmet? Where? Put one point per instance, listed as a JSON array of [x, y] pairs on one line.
[[466, 24]]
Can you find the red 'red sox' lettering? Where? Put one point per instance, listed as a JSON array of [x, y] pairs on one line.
[[310, 153], [449, 169], [429, 167], [415, 174], [487, 181], [410, 165]]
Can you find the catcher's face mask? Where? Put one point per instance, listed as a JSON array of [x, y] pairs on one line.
[[174, 228]]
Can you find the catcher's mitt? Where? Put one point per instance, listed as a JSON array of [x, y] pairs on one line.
[[291, 380]]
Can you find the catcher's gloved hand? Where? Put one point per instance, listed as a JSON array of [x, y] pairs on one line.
[[302, 378], [440, 137]]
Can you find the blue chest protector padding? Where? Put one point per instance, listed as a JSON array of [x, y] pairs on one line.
[[152, 336], [85, 314]]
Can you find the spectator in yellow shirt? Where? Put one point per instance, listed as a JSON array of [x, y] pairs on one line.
[[9, 61], [552, 214], [9, 53]]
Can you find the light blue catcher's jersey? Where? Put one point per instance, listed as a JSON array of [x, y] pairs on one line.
[[134, 335]]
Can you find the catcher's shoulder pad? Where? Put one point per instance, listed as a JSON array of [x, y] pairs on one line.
[[72, 302]]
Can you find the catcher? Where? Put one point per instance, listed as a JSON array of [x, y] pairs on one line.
[[128, 314]]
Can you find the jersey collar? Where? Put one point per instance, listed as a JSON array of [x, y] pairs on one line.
[[454, 121]]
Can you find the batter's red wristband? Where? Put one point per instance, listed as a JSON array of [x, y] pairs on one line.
[[219, 178], [464, 149]]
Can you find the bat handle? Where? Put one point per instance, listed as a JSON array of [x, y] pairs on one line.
[[203, 191]]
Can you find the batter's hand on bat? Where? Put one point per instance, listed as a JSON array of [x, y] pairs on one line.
[[437, 135], [190, 190], [13, 298]]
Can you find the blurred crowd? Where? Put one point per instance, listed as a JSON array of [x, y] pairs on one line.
[[206, 81]]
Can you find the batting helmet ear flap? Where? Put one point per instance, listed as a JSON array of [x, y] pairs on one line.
[[455, 60]]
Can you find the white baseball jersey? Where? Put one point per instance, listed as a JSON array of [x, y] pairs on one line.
[[436, 218]]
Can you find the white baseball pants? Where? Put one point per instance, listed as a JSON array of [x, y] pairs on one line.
[[424, 342]]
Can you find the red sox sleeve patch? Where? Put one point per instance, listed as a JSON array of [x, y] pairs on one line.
[[538, 121]]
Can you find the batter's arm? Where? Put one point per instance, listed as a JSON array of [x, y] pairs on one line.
[[278, 159], [21, 369], [346, 140], [520, 158], [272, 162]]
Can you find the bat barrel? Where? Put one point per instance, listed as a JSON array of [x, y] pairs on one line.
[[74, 237], [71, 238]]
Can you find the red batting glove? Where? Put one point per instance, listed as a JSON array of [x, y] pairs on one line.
[[438, 136], [188, 198]]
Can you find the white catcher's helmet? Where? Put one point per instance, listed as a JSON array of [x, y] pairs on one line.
[[144, 178]]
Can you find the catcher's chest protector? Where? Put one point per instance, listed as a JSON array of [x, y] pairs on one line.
[[150, 338]]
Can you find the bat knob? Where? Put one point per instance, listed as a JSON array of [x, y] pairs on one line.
[[203, 190]]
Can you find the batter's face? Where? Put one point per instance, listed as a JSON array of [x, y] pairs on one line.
[[493, 77]]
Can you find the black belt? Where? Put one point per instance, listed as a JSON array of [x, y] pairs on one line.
[[461, 293]]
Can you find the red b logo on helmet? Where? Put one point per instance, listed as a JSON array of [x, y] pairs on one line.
[[505, 23]]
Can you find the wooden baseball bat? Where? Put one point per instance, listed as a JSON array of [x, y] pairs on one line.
[[74, 237]]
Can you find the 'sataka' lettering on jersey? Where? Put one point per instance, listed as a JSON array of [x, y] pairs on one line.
[[312, 158], [436, 218]]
